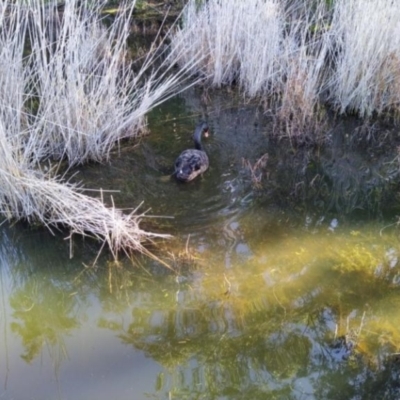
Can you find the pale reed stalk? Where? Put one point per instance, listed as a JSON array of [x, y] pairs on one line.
[[367, 75]]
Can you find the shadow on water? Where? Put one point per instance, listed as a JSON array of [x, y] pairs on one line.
[[290, 291]]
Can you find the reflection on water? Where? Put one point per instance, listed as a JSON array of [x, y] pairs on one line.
[[276, 298]]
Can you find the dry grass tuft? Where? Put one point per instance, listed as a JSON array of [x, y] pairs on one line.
[[228, 36], [300, 55], [257, 170], [72, 96], [367, 74], [271, 48]]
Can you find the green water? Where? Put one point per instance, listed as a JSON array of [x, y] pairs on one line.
[[289, 294]]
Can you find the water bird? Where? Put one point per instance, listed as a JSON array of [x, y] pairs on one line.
[[193, 162]]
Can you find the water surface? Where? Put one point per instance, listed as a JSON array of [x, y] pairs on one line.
[[288, 292]]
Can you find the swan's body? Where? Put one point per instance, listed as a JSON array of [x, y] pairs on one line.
[[192, 162]]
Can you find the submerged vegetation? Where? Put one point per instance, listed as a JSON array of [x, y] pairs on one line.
[[318, 308]]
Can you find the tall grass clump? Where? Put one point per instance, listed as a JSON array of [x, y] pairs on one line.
[[306, 47], [228, 34], [270, 48], [89, 97], [301, 56], [68, 92], [367, 65]]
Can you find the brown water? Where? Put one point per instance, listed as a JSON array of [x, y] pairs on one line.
[[290, 294]]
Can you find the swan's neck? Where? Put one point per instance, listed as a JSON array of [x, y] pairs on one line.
[[197, 135], [197, 145]]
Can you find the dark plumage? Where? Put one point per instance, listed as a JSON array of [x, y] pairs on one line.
[[192, 162]]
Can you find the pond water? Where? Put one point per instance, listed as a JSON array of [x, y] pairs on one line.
[[291, 291]]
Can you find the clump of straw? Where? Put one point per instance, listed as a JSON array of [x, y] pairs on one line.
[[303, 54], [366, 79], [265, 46], [68, 91]]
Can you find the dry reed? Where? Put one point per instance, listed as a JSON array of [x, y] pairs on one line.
[[89, 95], [266, 46], [366, 79], [72, 96], [301, 53], [228, 35]]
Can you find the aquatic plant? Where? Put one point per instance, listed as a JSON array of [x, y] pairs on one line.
[[310, 300], [68, 92]]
